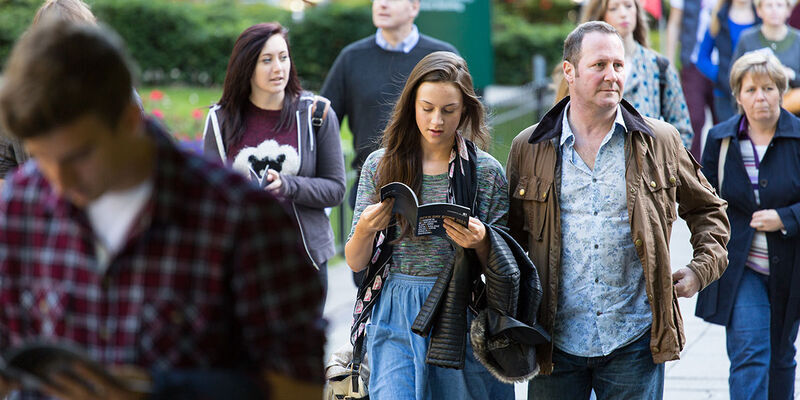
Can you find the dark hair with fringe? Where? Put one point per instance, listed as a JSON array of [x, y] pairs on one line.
[[237, 87]]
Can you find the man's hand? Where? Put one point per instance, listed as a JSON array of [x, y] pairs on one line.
[[80, 382], [686, 282]]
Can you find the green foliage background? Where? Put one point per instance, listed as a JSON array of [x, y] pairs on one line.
[[189, 42]]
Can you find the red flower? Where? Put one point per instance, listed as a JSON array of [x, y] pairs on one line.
[[197, 114], [158, 113], [156, 95]]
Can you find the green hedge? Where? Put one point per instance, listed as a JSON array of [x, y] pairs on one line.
[[190, 42], [515, 42]]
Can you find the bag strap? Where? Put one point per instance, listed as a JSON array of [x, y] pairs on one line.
[[663, 65], [368, 294], [318, 114], [723, 155]]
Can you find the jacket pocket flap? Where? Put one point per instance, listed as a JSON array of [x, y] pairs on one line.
[[661, 177], [532, 188]]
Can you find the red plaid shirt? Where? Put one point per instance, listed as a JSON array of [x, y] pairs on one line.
[[211, 275]]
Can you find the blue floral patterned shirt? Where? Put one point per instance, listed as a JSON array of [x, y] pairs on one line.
[[602, 303]]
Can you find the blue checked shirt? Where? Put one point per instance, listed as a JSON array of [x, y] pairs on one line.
[[405, 46], [602, 300]]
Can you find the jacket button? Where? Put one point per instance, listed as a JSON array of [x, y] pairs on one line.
[[776, 259], [672, 179], [522, 192], [638, 242], [763, 183], [544, 195], [652, 184], [654, 349]]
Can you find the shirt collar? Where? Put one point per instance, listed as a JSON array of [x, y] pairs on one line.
[[404, 46], [566, 130]]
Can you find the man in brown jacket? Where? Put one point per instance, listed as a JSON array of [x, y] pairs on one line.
[[593, 193]]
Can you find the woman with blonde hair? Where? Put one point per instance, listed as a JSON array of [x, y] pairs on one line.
[[427, 145], [651, 85], [65, 10], [752, 160]]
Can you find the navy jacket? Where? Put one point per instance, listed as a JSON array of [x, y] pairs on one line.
[[779, 189]]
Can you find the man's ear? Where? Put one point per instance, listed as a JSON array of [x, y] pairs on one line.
[[415, 8], [569, 71]]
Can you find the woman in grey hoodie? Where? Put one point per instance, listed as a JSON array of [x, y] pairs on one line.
[[286, 140]]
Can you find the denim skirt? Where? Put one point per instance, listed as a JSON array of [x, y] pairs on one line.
[[397, 356]]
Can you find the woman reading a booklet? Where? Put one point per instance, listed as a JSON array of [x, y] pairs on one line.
[[428, 146], [285, 139]]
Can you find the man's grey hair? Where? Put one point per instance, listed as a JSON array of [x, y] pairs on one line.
[[572, 44]]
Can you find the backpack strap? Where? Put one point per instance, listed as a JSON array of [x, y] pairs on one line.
[[318, 114], [663, 65]]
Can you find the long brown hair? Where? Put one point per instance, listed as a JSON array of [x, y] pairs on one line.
[[402, 160], [595, 10], [237, 87]]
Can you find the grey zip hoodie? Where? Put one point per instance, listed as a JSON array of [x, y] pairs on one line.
[[319, 183]]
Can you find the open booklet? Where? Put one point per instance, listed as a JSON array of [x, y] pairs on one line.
[[31, 366], [427, 219], [260, 180]]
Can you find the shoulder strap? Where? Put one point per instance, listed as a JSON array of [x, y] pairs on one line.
[[663, 65], [318, 114], [723, 155], [212, 114]]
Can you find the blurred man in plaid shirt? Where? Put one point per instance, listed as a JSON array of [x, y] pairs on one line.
[[159, 264]]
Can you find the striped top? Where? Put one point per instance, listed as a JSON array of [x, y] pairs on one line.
[[758, 257]]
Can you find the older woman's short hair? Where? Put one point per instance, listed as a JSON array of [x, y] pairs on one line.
[[758, 63], [757, 3]]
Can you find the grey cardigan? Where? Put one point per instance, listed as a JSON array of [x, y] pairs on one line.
[[319, 183]]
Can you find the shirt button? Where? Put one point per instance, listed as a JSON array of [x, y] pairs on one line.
[[596, 280], [633, 190], [596, 246], [594, 179], [652, 184], [763, 183], [595, 213], [522, 192], [638, 242], [672, 179]]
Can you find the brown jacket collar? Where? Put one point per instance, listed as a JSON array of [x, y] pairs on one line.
[[550, 126]]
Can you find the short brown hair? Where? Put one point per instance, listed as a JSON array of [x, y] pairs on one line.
[[758, 63], [68, 10], [573, 42], [60, 71]]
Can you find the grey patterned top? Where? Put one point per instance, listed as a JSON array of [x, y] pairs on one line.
[[427, 255]]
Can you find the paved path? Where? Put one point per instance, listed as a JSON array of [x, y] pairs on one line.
[[701, 373]]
